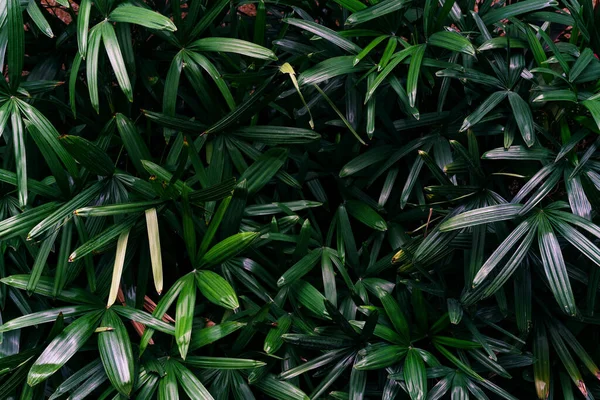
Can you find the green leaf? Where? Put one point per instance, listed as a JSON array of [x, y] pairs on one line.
[[208, 18], [141, 16], [365, 52], [38, 18], [280, 390], [594, 107], [190, 384], [144, 318], [484, 215], [83, 23], [329, 69], [43, 317], [167, 388], [222, 363], [556, 95], [414, 71], [378, 10], [587, 55], [366, 215], [45, 287], [511, 264], [519, 8], [63, 347], [184, 314], [301, 268], [20, 155], [396, 315], [452, 41], [116, 354], [117, 209], [205, 336], [88, 154], [103, 239], [377, 357], [91, 64], [264, 169], [456, 361], [488, 105], [78, 379], [317, 342], [415, 375], [523, 116], [40, 261], [227, 248], [135, 146], [503, 249], [229, 45], [111, 44], [49, 134], [310, 297], [16, 41], [276, 135], [193, 61], [274, 339], [326, 33], [518, 153], [65, 211], [555, 268], [394, 61], [216, 289], [171, 87]]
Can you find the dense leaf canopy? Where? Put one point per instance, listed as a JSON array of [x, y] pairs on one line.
[[299, 199]]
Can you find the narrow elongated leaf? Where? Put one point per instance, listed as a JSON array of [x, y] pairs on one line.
[[227, 249], [484, 215], [516, 9], [523, 116], [325, 33], [366, 215], [116, 353], [503, 249], [413, 74], [229, 45], [376, 11], [16, 41], [83, 23], [264, 168], [88, 154], [376, 357], [118, 267], [555, 268], [280, 390], [20, 154], [141, 16], [222, 362], [63, 347], [184, 314], [488, 105], [132, 141], [111, 44], [91, 64], [415, 375], [190, 383], [43, 317], [38, 18], [301, 268], [155, 253], [452, 41]]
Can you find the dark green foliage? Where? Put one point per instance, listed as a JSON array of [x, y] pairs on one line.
[[298, 199]]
